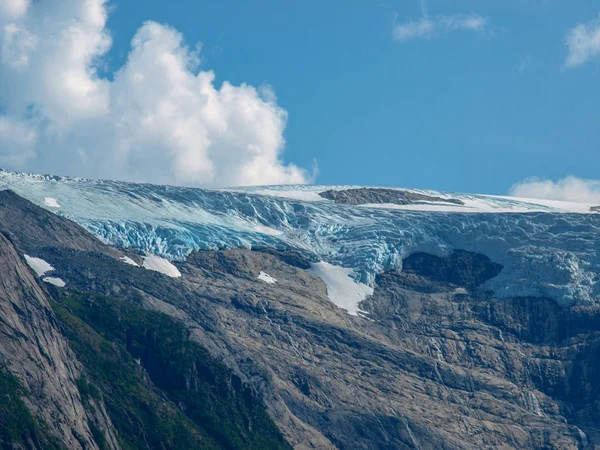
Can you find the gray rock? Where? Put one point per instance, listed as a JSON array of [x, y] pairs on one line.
[[362, 196], [435, 362], [32, 349]]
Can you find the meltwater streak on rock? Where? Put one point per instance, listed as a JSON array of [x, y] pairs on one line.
[[545, 254]]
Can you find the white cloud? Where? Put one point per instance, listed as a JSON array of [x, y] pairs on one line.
[[18, 140], [427, 28], [160, 119], [571, 189], [13, 8], [583, 43]]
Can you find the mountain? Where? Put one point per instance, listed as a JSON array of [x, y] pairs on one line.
[[140, 316]]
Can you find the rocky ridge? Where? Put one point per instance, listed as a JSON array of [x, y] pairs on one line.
[[363, 196]]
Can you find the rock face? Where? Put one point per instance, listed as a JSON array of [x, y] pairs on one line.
[[84, 391], [362, 196], [32, 228], [595, 209], [460, 268], [33, 349], [436, 362]]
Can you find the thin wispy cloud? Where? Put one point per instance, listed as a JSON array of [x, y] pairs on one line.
[[524, 64], [583, 43], [430, 27], [571, 189]]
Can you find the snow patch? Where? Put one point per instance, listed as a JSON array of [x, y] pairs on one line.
[[342, 290], [158, 264], [491, 204], [38, 265], [268, 231], [55, 281], [51, 202], [544, 252], [128, 260], [266, 278], [301, 195], [555, 205]]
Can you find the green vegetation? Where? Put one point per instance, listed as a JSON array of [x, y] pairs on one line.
[[161, 389], [17, 425]]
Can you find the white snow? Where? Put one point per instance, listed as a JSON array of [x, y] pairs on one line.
[[51, 202], [158, 264], [557, 205], [302, 195], [491, 204], [268, 231], [546, 255], [266, 278], [39, 266], [128, 260], [341, 288], [55, 281]]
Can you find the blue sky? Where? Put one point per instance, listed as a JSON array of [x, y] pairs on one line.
[[467, 111], [456, 105]]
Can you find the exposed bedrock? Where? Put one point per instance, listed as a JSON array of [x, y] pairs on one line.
[[461, 268], [34, 351], [362, 196], [438, 361], [436, 364]]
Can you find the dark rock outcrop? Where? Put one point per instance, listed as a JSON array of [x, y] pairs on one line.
[[460, 268], [362, 196], [31, 228]]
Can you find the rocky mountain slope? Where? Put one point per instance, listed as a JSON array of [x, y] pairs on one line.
[[230, 347], [86, 372]]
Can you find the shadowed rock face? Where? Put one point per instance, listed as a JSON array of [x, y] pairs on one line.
[[595, 209], [436, 363], [31, 227], [460, 268], [363, 196]]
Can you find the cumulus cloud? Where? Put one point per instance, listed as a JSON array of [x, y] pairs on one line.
[[583, 43], [570, 189], [159, 119], [430, 27]]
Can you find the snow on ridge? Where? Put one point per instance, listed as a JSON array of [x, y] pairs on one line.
[[51, 202], [158, 264], [55, 281], [128, 260], [544, 252], [342, 290], [38, 265], [491, 204], [555, 205], [303, 196], [263, 276], [472, 202]]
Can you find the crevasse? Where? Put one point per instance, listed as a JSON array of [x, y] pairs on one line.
[[545, 249]]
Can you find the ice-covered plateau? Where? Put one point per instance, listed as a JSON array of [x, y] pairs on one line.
[[548, 249]]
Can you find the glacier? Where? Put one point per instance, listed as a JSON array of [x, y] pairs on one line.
[[548, 249]]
